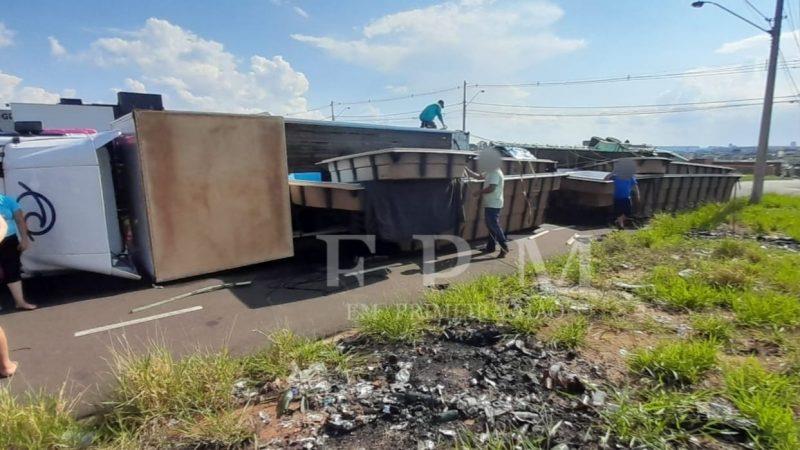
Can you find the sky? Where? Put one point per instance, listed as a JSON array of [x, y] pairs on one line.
[[383, 61]]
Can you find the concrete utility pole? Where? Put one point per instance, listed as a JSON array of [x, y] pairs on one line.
[[464, 107], [333, 114], [760, 168]]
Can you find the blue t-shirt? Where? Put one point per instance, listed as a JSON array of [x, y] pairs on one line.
[[431, 112], [8, 206], [623, 187]]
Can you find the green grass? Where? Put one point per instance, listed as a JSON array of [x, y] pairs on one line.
[[768, 399], [155, 388], [397, 323], [666, 229], [39, 421], [691, 293], [712, 327], [767, 309], [775, 214], [288, 351], [675, 362], [227, 429], [569, 333], [468, 440], [484, 299], [656, 419], [533, 314]]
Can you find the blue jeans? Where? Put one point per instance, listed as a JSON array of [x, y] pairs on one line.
[[496, 235]]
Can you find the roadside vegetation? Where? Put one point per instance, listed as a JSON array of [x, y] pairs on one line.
[[696, 319]]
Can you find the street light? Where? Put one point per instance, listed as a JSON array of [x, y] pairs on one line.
[[464, 106], [766, 113]]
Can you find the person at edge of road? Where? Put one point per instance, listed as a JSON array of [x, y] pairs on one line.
[[11, 249], [624, 186], [492, 199], [431, 112], [7, 366]]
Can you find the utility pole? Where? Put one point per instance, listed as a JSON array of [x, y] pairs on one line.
[[760, 168], [464, 107], [333, 114]]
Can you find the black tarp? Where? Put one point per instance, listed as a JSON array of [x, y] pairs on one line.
[[397, 210]]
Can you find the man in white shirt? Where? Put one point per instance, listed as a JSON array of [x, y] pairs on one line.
[[492, 199]]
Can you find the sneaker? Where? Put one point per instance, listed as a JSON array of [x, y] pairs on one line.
[[503, 253]]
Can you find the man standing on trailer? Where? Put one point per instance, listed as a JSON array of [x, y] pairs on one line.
[[492, 198], [431, 112]]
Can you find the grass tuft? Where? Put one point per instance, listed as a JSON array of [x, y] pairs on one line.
[[40, 421], [483, 299], [533, 314], [655, 419], [691, 292], [712, 327], [767, 308], [288, 351], [396, 323], [156, 388], [681, 362], [768, 399], [569, 333]]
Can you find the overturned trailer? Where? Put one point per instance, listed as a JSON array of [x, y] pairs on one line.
[[664, 186]]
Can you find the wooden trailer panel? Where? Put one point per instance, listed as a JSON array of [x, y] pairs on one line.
[[215, 189]]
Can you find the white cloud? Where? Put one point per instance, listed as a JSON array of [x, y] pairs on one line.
[[6, 36], [300, 12], [463, 37], [12, 90], [56, 49], [199, 74], [759, 44], [135, 85]]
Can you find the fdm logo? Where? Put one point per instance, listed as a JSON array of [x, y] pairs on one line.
[[44, 215]]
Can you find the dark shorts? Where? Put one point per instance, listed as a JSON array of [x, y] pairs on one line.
[[427, 124], [622, 206], [9, 260]]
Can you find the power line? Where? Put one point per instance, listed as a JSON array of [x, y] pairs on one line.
[[789, 74], [730, 70], [403, 97], [794, 26], [653, 105], [757, 11], [487, 113], [306, 111]]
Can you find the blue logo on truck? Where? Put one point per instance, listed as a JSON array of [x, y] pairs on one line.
[[45, 217]]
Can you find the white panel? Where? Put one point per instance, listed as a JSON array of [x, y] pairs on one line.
[[65, 116]]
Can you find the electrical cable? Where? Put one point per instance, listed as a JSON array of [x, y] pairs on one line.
[[729, 70], [486, 113], [757, 11], [623, 106], [789, 75]]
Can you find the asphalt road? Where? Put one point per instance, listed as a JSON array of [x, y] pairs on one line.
[[790, 187], [284, 294]]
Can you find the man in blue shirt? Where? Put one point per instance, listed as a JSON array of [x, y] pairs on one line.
[[431, 112], [624, 186]]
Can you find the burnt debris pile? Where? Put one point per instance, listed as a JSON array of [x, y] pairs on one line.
[[471, 382]]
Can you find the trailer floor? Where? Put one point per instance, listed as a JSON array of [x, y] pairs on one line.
[[284, 294]]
